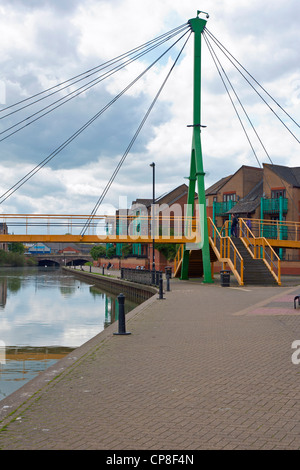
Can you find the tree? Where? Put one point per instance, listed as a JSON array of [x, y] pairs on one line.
[[16, 247], [167, 249], [111, 252], [98, 251]]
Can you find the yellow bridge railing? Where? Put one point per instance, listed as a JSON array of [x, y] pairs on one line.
[[260, 248], [226, 251], [45, 228]]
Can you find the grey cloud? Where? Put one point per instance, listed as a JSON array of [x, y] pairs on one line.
[[61, 6]]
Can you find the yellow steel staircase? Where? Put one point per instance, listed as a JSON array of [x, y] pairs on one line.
[[251, 259]]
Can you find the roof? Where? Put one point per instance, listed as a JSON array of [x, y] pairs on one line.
[[215, 188], [249, 203], [143, 202], [83, 247], [290, 174], [174, 195], [168, 198], [69, 248]]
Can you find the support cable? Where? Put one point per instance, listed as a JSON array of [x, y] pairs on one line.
[[76, 92], [101, 198], [92, 70], [238, 99], [227, 54], [259, 164], [237, 113], [38, 167]]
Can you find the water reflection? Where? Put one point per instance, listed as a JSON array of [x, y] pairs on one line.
[[44, 314]]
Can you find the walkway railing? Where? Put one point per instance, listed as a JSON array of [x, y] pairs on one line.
[[260, 248], [142, 276], [178, 259], [45, 228], [226, 251], [280, 233]]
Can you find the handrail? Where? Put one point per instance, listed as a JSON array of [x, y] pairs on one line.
[[260, 248], [226, 251], [272, 263], [276, 229], [178, 259]]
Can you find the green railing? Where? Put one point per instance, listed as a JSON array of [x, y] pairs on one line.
[[275, 232], [274, 206], [220, 208]]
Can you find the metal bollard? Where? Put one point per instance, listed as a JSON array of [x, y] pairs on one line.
[[103, 270], [168, 281], [90, 268], [161, 293], [122, 327]]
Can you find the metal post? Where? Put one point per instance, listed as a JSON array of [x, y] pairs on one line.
[[168, 281], [122, 326], [196, 165], [152, 222], [103, 270], [161, 293]]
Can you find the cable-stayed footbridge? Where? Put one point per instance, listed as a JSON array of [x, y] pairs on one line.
[[191, 232]]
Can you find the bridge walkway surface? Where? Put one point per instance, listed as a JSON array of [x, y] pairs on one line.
[[207, 367]]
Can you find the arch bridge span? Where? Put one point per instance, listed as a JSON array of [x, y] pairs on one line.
[[47, 259]]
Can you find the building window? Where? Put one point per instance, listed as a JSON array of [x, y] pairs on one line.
[[276, 193], [229, 197]]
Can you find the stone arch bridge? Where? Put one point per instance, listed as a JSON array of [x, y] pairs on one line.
[[48, 259]]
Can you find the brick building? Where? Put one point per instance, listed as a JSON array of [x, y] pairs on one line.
[[268, 193], [242, 189], [170, 207], [4, 231]]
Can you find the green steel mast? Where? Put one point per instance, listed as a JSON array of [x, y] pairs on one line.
[[196, 166]]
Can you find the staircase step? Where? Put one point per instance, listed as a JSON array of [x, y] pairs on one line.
[[255, 270]]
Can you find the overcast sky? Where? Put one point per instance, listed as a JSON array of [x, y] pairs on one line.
[[45, 42]]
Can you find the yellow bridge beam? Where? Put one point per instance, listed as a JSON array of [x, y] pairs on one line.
[[23, 238]]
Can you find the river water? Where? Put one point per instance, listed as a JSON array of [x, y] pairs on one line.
[[45, 313]]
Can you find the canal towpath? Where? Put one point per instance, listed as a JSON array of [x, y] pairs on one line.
[[207, 367]]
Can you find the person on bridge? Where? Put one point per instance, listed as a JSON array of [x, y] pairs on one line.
[[234, 226]]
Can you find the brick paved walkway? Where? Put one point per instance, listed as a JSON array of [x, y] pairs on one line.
[[206, 368]]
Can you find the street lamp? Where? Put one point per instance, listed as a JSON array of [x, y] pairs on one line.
[[152, 224]]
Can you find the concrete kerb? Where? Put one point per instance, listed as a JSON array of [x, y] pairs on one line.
[[19, 400]]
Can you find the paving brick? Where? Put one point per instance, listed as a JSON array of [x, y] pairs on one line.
[[206, 368]]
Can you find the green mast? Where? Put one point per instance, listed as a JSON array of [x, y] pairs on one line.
[[196, 167]]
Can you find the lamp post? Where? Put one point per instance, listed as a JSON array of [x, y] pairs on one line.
[[152, 222]]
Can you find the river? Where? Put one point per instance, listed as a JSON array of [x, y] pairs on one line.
[[45, 313]]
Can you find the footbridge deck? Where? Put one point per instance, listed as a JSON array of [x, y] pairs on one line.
[[50, 228], [58, 228]]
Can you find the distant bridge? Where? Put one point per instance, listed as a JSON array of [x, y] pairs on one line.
[[48, 259]]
